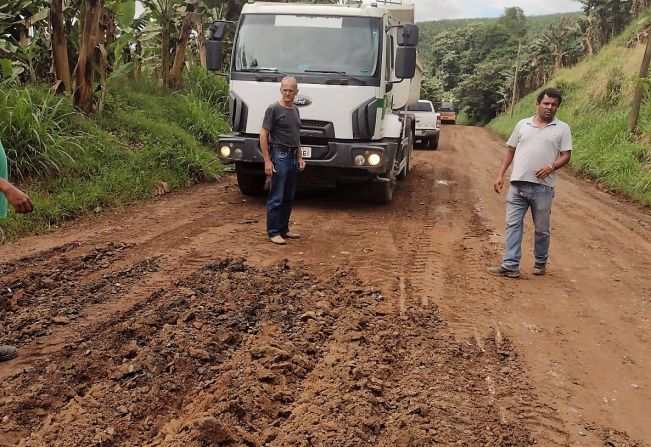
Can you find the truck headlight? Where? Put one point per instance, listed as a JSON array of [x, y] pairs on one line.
[[237, 153], [374, 159], [359, 160], [225, 151]]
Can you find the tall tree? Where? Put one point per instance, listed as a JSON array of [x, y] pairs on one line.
[[60, 46], [85, 72], [175, 76], [515, 21]]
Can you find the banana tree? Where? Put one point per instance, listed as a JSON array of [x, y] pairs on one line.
[[175, 76], [85, 71], [165, 12], [22, 41], [60, 46]]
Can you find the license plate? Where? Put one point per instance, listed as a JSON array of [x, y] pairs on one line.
[[306, 151], [420, 132]]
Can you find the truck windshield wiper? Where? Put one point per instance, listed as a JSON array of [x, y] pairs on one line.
[[343, 73], [257, 70], [267, 74]]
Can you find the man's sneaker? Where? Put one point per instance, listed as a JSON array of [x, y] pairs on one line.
[[7, 352], [538, 269], [501, 271], [277, 239], [290, 235]]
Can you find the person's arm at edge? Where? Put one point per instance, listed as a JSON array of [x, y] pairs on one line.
[[16, 198], [507, 159]]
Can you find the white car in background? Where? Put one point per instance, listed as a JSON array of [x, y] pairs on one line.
[[428, 123]]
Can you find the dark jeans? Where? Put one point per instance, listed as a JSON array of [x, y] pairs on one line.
[[281, 191]]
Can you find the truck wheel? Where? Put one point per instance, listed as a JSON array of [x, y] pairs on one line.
[[434, 142], [250, 184], [382, 192]]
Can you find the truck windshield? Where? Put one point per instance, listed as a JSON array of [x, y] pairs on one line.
[[420, 107], [299, 44], [447, 106]]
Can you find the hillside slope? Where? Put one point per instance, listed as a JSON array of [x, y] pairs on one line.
[[597, 98]]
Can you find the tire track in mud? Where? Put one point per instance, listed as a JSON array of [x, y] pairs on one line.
[[463, 250], [70, 288], [57, 291]]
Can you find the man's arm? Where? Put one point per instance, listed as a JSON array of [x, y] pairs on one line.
[[299, 159], [507, 159], [16, 198], [264, 147], [562, 160]]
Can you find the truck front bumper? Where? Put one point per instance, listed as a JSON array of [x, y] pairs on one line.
[[326, 163]]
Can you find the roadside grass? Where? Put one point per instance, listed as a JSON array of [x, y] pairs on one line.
[[597, 96], [148, 140]]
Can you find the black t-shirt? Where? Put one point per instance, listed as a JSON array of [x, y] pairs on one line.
[[284, 126]]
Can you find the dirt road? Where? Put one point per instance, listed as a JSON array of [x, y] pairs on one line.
[[176, 323]]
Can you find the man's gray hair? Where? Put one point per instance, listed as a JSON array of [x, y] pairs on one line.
[[290, 79]]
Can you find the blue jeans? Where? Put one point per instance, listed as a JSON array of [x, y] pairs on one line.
[[281, 191], [521, 196]]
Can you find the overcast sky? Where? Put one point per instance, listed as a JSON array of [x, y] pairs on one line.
[[466, 9]]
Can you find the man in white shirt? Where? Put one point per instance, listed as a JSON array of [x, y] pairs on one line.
[[538, 147]]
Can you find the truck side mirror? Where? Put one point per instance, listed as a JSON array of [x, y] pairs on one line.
[[405, 62], [407, 35], [217, 30], [215, 46], [214, 55]]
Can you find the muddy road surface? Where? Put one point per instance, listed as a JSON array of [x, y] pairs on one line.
[[177, 323]]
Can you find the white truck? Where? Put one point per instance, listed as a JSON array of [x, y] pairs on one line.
[[428, 123], [356, 67]]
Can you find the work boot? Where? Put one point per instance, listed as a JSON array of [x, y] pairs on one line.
[[538, 269], [277, 239], [7, 352], [291, 235], [501, 271]]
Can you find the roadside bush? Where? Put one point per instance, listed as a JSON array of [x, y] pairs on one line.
[[612, 90], [40, 132], [207, 87], [75, 165]]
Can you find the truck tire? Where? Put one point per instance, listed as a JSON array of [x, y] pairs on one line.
[[434, 142], [250, 184], [382, 192]]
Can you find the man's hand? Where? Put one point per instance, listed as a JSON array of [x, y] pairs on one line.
[[301, 164], [544, 171], [269, 168], [499, 184], [19, 200]]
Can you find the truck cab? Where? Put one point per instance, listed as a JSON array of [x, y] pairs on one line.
[[356, 68]]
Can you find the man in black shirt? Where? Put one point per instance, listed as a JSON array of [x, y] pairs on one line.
[[281, 149]]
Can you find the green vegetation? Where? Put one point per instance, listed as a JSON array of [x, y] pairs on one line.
[[72, 165], [597, 99], [535, 25], [485, 65]]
